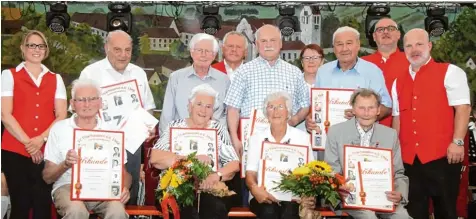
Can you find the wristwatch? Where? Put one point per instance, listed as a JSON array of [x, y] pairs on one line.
[[458, 142], [220, 175]]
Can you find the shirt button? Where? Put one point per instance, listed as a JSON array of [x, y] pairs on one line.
[[414, 108], [414, 120], [37, 93], [37, 105], [36, 129], [414, 132], [416, 144], [415, 97], [36, 117]]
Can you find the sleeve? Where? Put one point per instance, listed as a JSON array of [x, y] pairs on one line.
[[237, 90], [396, 106], [52, 150], [168, 106], [331, 153], [378, 84], [252, 164], [401, 181], [7, 83], [164, 140], [227, 151], [60, 88], [302, 94], [456, 85], [148, 98]]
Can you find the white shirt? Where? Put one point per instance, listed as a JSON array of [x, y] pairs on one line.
[[8, 83], [103, 73], [60, 141], [455, 82], [229, 71], [365, 136]]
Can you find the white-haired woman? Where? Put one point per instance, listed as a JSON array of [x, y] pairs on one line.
[[200, 107], [277, 109]]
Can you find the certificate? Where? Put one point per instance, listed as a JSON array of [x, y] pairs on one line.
[[327, 108], [98, 175], [184, 141], [290, 155], [118, 101], [137, 130], [245, 132], [370, 174], [259, 122], [270, 176]]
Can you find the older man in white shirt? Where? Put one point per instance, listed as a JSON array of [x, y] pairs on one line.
[[116, 68]]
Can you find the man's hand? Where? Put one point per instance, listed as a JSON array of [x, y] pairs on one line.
[[37, 157], [348, 114], [210, 181], [394, 197], [151, 134], [204, 159], [71, 158], [238, 146], [262, 196], [34, 145], [125, 196], [311, 125], [455, 153]]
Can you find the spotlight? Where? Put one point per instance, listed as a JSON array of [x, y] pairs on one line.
[[210, 20], [119, 17], [436, 23], [287, 22], [374, 14], [57, 19]]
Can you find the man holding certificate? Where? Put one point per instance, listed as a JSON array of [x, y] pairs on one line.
[[171, 147], [60, 159], [366, 153], [277, 109]]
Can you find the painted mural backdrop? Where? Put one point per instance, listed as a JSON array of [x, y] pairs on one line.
[[161, 34]]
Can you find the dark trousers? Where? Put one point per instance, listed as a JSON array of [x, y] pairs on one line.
[[437, 180], [133, 167], [287, 210], [211, 207], [236, 185], [26, 186]]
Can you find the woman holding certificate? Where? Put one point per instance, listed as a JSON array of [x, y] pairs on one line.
[[171, 147], [33, 98], [277, 109]]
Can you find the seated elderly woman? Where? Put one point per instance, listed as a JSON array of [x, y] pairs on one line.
[[202, 102], [277, 109]]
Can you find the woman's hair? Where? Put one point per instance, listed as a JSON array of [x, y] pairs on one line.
[[276, 95], [314, 47], [205, 89], [41, 35]]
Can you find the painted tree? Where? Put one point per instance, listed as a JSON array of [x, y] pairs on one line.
[[144, 43], [358, 25], [329, 25]]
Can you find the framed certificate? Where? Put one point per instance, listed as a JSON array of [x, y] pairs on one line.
[[327, 108], [184, 141], [244, 134], [259, 122], [98, 176], [370, 174], [291, 155], [270, 175], [118, 101]]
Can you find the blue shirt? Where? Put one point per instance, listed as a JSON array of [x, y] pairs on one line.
[[363, 75]]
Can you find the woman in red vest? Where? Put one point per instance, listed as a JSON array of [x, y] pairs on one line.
[[33, 98]]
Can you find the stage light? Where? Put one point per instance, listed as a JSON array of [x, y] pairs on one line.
[[374, 14], [119, 17], [287, 22], [436, 23], [57, 19], [210, 20]]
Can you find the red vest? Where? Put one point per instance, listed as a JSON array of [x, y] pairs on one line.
[[426, 119], [220, 66], [395, 65], [33, 108]]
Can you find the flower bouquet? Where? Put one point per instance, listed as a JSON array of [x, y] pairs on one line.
[[315, 179], [180, 183]]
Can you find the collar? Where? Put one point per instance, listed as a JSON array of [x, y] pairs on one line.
[[359, 128], [73, 124], [44, 69], [210, 73], [262, 60], [353, 67], [389, 57], [228, 67], [411, 70], [107, 65], [286, 138]]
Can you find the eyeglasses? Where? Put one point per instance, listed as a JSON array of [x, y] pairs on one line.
[[203, 51], [279, 107], [86, 99], [34, 46], [311, 58], [388, 28], [207, 106]]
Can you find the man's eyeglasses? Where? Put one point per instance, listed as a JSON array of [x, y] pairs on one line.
[[34, 46], [388, 28], [278, 107], [203, 51], [86, 99], [311, 58]]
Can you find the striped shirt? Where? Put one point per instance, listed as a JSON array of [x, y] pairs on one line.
[[225, 149], [254, 80]]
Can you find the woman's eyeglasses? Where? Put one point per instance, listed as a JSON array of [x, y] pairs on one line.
[[34, 46]]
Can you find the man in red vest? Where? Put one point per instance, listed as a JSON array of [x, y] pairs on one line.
[[235, 47], [431, 112], [388, 57]]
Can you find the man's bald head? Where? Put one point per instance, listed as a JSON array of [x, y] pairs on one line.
[[417, 32], [118, 49], [417, 47], [386, 35], [269, 42]]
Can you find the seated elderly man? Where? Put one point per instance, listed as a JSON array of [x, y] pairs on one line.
[[60, 156], [362, 130], [277, 109], [201, 104], [203, 50]]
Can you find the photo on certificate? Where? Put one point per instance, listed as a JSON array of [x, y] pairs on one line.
[[245, 132], [184, 141], [98, 176], [119, 100], [370, 174], [327, 108], [288, 154]]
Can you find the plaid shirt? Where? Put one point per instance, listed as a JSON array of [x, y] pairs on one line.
[[256, 79]]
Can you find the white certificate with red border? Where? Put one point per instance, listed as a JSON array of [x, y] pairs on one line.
[[370, 174], [245, 132], [327, 108], [259, 122], [98, 176], [184, 141]]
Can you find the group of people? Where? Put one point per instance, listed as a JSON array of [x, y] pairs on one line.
[[404, 101]]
